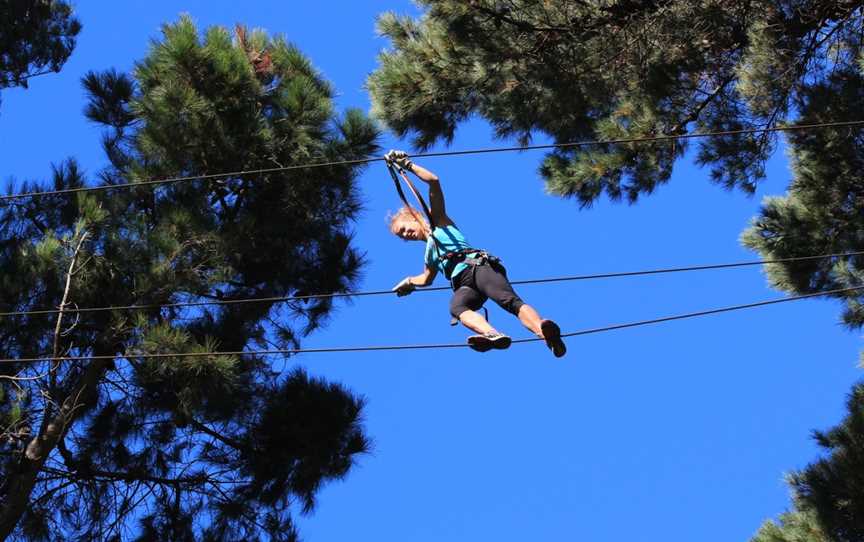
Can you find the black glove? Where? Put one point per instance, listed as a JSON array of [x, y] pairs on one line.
[[400, 158]]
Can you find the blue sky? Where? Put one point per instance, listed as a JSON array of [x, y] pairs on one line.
[[674, 432]]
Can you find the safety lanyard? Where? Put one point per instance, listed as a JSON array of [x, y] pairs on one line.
[[393, 168]]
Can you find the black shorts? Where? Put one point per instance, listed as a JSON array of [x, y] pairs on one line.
[[474, 285]]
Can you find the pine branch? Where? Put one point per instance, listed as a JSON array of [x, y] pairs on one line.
[[694, 114], [521, 25], [128, 476], [237, 445], [63, 302]]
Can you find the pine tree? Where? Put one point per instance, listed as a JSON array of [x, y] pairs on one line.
[[823, 211], [833, 487], [607, 70], [36, 37], [217, 447]]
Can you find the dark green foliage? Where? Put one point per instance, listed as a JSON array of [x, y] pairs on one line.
[[303, 432], [607, 70], [310, 434], [216, 447], [833, 487], [36, 36]]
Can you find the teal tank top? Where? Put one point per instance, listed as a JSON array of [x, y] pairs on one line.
[[450, 239]]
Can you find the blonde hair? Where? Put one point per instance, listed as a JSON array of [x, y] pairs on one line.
[[408, 213]]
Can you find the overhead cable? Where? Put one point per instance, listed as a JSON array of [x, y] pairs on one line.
[[287, 299], [211, 176], [290, 351]]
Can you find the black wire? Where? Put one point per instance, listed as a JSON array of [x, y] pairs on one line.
[[288, 351], [287, 299], [172, 180], [708, 312]]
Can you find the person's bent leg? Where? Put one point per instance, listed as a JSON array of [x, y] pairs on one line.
[[463, 306], [547, 330], [530, 319], [487, 337], [493, 283], [465, 301], [475, 322]]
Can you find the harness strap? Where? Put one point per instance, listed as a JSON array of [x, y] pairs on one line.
[[460, 254], [463, 256]]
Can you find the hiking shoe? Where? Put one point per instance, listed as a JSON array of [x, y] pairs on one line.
[[488, 341], [552, 335]]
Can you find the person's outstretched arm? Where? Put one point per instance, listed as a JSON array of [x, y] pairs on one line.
[[409, 283]]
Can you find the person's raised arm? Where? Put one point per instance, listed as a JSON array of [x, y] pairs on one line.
[[436, 194]]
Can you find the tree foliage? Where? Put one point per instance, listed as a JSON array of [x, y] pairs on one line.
[[823, 210], [214, 447], [829, 493], [606, 70], [36, 36], [796, 526]]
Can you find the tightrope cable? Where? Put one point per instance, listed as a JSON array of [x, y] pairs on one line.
[[708, 312], [211, 176], [288, 299], [289, 351]]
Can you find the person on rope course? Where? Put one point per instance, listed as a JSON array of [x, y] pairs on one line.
[[474, 274]]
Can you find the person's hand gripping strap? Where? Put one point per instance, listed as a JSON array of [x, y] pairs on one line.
[[400, 158], [404, 288]]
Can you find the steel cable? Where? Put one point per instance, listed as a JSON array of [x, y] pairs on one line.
[[210, 176], [287, 299], [289, 351]]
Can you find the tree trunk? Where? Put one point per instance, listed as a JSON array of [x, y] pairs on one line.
[[22, 479]]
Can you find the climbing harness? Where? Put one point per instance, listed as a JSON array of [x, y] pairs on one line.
[[468, 256]]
